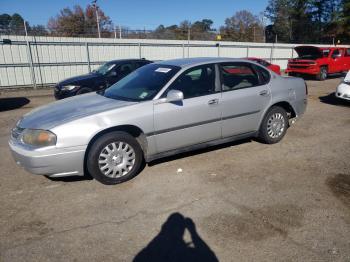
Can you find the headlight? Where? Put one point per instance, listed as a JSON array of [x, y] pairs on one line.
[[69, 87], [38, 138]]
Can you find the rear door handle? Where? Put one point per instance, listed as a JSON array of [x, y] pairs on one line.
[[213, 102], [264, 93]]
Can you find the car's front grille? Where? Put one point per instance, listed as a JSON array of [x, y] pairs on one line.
[[298, 66], [16, 132]]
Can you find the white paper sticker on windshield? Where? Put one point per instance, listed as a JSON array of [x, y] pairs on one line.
[[143, 95], [163, 70]]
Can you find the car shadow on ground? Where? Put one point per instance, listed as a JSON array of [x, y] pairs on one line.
[[70, 179], [11, 103], [199, 151], [169, 245], [331, 99]]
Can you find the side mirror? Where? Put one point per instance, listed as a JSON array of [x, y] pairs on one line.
[[174, 96]]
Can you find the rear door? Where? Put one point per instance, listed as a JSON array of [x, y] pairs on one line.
[[337, 61], [195, 119], [347, 60], [245, 95]]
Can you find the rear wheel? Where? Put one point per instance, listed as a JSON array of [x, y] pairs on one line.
[[322, 75], [274, 125], [114, 158]]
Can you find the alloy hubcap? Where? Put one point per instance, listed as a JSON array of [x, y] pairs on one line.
[[116, 159], [275, 125]]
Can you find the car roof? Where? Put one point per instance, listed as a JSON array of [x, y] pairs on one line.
[[189, 62], [119, 61]]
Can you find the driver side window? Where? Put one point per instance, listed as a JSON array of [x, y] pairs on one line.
[[197, 81], [124, 69]]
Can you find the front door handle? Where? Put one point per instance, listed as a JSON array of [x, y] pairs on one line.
[[264, 93], [213, 102]]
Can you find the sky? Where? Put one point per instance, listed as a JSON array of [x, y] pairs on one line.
[[138, 14]]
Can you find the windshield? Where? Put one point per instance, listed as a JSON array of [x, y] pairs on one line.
[[105, 68], [142, 84]]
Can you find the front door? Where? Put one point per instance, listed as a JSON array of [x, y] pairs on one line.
[[195, 119]]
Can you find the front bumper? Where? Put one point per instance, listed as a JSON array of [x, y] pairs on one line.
[[61, 94], [306, 71], [343, 91], [51, 161]]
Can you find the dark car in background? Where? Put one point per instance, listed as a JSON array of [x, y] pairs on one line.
[[99, 79]]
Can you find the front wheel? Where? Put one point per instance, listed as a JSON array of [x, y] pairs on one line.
[[274, 125], [114, 158]]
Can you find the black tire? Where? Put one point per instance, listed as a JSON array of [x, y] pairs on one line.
[[97, 148], [291, 74], [322, 75], [265, 128], [84, 90]]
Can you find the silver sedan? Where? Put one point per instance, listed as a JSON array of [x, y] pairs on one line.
[[158, 110]]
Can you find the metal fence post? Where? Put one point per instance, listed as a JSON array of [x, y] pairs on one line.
[[247, 51], [30, 60], [218, 49], [271, 52], [183, 50], [140, 53], [88, 56]]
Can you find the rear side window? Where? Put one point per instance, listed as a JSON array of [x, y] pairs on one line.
[[264, 75], [238, 76], [347, 53]]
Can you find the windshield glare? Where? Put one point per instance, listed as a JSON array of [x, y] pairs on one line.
[[105, 68], [142, 84]]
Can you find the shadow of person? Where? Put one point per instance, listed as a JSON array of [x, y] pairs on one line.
[[12, 103], [169, 244]]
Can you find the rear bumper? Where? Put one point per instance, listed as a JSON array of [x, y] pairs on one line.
[[49, 161]]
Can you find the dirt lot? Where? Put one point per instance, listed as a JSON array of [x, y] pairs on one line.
[[248, 201]]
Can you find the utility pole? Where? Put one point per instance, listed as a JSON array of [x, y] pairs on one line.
[[254, 33], [120, 32], [188, 40], [25, 28], [97, 17]]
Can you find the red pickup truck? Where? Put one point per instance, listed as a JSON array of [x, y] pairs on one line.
[[319, 61]]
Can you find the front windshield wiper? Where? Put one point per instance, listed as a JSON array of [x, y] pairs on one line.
[[121, 98]]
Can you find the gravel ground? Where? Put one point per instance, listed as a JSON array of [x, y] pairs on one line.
[[243, 201]]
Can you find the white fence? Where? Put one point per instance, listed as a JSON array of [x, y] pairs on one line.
[[36, 61]]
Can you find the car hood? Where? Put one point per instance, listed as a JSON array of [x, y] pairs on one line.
[[312, 51], [79, 79], [59, 112]]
